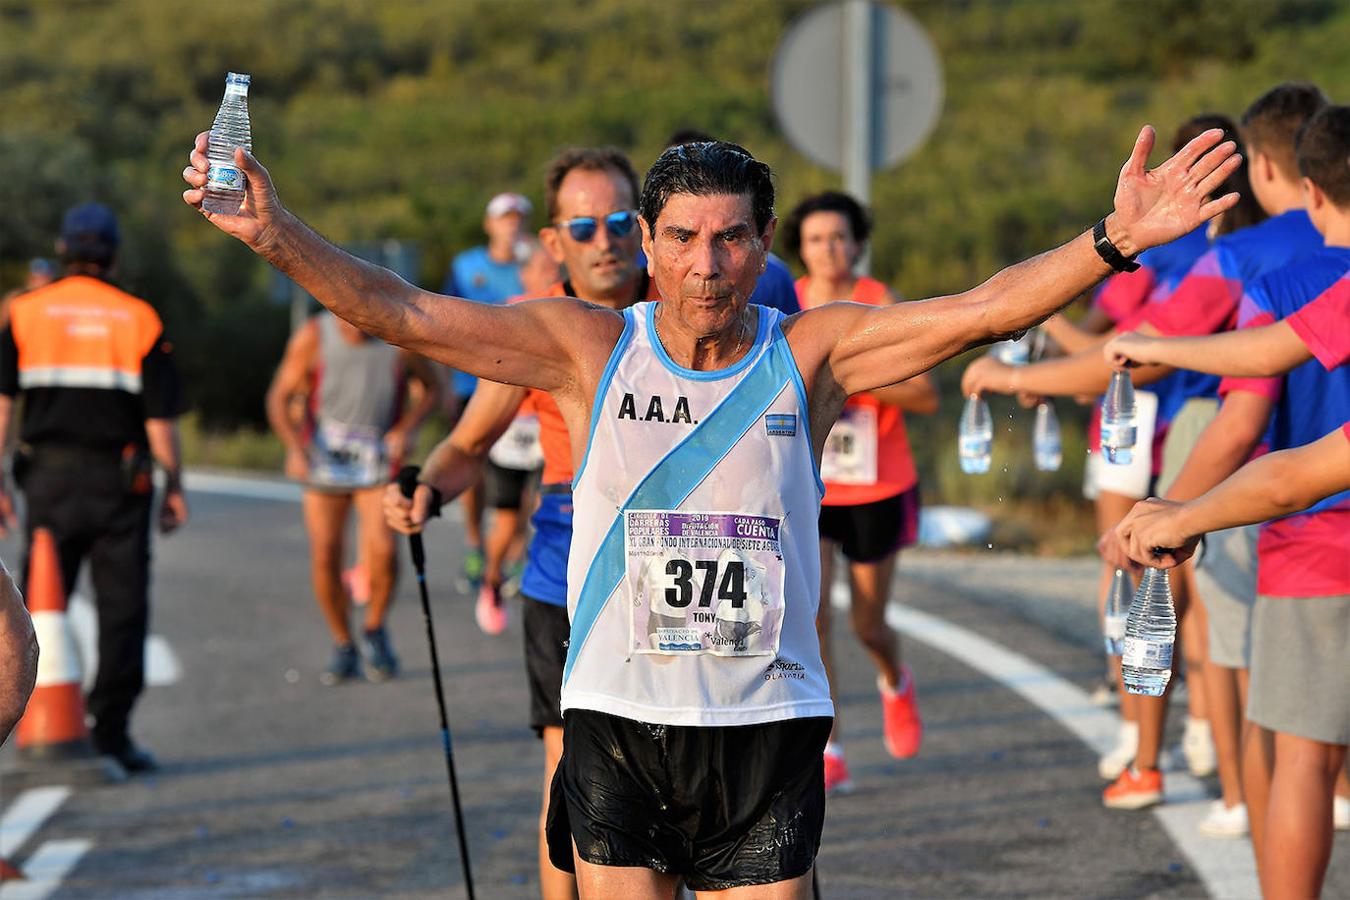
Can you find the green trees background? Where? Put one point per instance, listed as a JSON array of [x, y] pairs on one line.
[[398, 120]]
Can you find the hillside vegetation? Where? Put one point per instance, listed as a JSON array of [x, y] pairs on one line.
[[400, 119]]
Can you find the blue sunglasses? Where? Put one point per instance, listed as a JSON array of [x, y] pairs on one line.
[[583, 228]]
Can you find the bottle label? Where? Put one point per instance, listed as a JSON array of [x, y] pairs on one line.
[[1145, 654], [1114, 627], [973, 445], [1118, 435], [224, 178]]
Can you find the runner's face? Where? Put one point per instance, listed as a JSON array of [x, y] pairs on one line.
[[828, 248], [706, 257], [604, 264]]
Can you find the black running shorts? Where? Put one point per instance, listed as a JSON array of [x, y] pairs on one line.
[[505, 488], [546, 632], [870, 532], [723, 807]]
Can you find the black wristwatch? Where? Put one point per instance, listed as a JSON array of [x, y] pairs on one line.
[[1108, 251]]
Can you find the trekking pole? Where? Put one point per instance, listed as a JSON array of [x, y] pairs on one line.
[[407, 484]]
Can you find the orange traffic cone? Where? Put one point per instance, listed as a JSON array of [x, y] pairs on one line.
[[52, 732], [8, 872]]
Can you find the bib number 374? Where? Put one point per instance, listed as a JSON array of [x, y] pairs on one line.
[[703, 583]]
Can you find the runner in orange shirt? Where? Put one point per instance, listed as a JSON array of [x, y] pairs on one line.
[[871, 505]]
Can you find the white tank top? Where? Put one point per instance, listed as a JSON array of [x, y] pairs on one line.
[[694, 572]]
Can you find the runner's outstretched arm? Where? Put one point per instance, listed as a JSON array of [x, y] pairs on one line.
[[866, 347], [535, 344], [1274, 485], [456, 463], [1246, 353]]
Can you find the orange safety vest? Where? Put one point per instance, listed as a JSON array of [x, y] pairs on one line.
[[80, 332]]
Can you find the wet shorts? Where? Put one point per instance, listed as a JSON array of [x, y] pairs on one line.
[[723, 807], [869, 532], [505, 488], [546, 632]]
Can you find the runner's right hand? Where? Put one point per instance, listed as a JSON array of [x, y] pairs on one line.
[[297, 466], [404, 515]]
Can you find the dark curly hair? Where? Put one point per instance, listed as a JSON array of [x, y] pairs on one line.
[[859, 219], [704, 169]]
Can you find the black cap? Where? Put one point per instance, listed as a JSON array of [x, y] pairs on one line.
[[90, 223]]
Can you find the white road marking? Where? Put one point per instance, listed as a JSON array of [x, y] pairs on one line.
[[161, 663], [1226, 867], [26, 815], [45, 870]]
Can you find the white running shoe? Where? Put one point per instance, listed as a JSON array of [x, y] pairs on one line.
[[1225, 821], [1122, 754], [1197, 746], [1340, 813]]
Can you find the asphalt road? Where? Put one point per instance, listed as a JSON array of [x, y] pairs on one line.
[[276, 786]]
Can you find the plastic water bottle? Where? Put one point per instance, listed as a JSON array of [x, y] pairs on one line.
[[976, 436], [1045, 440], [1119, 419], [1150, 632], [1014, 352], [224, 180], [1117, 610]]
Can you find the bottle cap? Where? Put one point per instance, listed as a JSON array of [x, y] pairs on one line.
[[236, 78]]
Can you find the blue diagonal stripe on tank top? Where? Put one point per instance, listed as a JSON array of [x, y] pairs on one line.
[[674, 478]]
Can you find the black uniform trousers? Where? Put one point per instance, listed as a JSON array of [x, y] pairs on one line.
[[86, 499]]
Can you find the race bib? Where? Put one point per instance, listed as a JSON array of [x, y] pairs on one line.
[[850, 455], [347, 456], [703, 583], [519, 448]]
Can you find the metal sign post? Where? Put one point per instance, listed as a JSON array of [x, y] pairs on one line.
[[857, 87]]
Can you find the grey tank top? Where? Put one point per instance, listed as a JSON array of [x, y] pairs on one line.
[[359, 384]]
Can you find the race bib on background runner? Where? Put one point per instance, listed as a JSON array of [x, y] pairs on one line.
[[518, 447], [347, 456], [703, 583], [850, 455]]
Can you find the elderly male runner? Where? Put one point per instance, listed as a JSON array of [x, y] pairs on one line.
[[695, 705]]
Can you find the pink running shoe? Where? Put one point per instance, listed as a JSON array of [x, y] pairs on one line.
[[837, 779], [357, 582], [903, 728], [489, 612]]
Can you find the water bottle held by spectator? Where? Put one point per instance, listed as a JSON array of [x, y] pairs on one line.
[[1150, 633], [1045, 438], [1117, 610], [976, 436], [1119, 419]]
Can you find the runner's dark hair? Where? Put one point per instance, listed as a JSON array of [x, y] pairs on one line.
[[704, 169], [859, 220], [590, 159], [1323, 146]]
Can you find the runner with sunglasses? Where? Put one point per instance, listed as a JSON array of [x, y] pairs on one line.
[[600, 267], [692, 749]]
